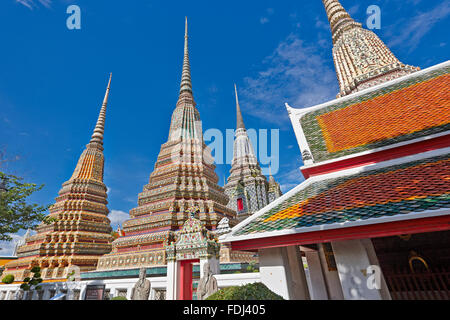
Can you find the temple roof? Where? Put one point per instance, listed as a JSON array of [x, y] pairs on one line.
[[396, 112], [404, 188]]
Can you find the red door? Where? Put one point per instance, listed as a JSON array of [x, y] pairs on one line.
[[186, 279]]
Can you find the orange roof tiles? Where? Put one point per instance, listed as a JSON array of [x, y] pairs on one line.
[[415, 108]]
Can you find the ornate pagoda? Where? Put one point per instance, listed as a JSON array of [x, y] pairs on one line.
[[375, 202], [81, 232], [361, 58], [247, 187], [183, 181]]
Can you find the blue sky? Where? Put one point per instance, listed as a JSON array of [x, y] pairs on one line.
[[53, 79]]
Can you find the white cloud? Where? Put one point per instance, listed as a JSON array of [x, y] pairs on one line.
[[409, 32], [297, 73], [30, 4], [264, 20], [7, 247], [117, 217]]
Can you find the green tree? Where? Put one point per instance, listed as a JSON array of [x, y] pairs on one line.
[[251, 291], [9, 278], [15, 213], [33, 282]]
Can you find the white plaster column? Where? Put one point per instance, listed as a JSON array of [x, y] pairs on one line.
[[352, 262], [173, 275], [332, 280], [298, 283], [46, 295], [273, 269], [129, 292], [367, 243], [82, 292], [318, 290], [281, 270], [113, 292]]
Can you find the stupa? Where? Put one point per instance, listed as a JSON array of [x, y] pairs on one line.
[[183, 184], [82, 231]]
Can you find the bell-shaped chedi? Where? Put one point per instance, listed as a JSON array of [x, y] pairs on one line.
[[183, 178], [81, 232], [246, 187], [361, 59]]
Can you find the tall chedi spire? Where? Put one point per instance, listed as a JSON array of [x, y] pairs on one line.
[[361, 59], [81, 232], [239, 119], [185, 122], [183, 182], [186, 83], [97, 136], [247, 187]]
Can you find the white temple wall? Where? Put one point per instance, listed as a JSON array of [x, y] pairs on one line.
[[117, 286]]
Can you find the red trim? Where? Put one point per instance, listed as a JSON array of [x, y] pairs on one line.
[[389, 154], [240, 204], [186, 279], [440, 223]]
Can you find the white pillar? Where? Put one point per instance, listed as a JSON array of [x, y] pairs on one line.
[[367, 243], [82, 292], [299, 284], [113, 292], [281, 270], [273, 270], [173, 274], [352, 262], [332, 281], [46, 295], [129, 293], [318, 287]]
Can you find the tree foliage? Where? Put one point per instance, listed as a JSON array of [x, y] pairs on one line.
[[15, 213], [252, 291], [33, 282], [9, 278]]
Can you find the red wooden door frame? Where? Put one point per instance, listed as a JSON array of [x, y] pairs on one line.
[[186, 279]]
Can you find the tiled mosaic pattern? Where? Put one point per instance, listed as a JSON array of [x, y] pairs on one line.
[[401, 189], [410, 109]]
